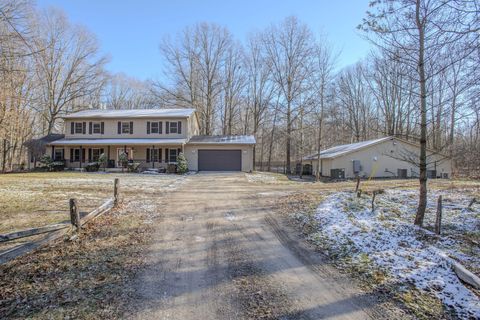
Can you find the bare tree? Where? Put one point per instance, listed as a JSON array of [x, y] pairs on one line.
[[68, 67], [417, 33], [290, 49]]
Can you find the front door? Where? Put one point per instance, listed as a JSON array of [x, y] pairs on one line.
[[129, 153]]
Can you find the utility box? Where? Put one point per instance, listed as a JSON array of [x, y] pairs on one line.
[[402, 173], [337, 173]]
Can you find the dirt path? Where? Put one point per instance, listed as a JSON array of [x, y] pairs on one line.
[[219, 252]]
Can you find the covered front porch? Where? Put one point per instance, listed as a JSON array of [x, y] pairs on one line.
[[147, 153]]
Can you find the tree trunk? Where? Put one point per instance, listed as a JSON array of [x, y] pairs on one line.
[[422, 200]]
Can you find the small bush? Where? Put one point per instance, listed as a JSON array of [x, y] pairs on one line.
[[182, 166], [56, 166], [133, 166], [92, 166]]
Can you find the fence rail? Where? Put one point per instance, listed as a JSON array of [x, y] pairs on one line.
[[55, 231]]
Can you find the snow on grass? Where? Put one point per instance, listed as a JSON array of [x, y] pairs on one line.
[[408, 254], [264, 177]]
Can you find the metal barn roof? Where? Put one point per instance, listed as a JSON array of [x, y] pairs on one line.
[[222, 140], [133, 113], [346, 148]]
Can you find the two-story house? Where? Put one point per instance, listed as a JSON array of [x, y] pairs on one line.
[[152, 137]]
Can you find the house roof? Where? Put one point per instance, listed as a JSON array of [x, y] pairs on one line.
[[240, 139], [120, 142], [346, 148], [133, 113]]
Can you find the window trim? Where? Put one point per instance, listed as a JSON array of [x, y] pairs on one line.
[[123, 126], [78, 125], [175, 127], [170, 155], [157, 131], [75, 159], [62, 157], [99, 153], [99, 124]]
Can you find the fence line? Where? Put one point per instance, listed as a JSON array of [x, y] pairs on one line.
[[55, 231]]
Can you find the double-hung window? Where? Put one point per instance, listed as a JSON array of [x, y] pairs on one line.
[[173, 127], [76, 155], [172, 155], [78, 127], [97, 127], [154, 127], [58, 155], [95, 154], [125, 127], [154, 155]]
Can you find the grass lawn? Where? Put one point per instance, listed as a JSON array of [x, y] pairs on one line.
[[36, 199]]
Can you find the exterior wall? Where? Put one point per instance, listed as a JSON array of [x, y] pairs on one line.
[[383, 160], [191, 154], [139, 128], [139, 155]]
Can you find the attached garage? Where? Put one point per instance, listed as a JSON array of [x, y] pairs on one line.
[[219, 160], [220, 153]]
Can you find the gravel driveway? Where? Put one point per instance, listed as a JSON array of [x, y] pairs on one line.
[[220, 252]]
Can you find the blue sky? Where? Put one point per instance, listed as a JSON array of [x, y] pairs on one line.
[[130, 31]]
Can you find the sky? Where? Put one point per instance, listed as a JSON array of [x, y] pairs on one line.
[[130, 32]]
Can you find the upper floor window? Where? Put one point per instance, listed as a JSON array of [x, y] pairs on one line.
[[125, 127], [78, 127], [173, 127], [97, 127], [155, 127]]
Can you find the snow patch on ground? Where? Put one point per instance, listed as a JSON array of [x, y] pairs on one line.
[[261, 177], [407, 253]]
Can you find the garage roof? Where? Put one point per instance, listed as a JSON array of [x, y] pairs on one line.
[[136, 113], [345, 148], [234, 139], [121, 142]]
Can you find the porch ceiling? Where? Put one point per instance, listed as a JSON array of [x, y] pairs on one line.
[[120, 142]]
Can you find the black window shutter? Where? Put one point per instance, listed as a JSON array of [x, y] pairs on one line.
[[71, 154], [72, 127], [84, 128], [119, 127], [167, 127], [131, 127], [178, 151], [89, 155], [159, 154], [89, 127], [101, 151], [160, 128], [102, 127], [179, 127], [83, 154], [148, 154], [166, 155], [148, 128]]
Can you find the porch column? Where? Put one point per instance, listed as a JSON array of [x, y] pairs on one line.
[[81, 156], [153, 162], [108, 155]]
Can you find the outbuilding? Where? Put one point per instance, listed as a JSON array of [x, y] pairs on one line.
[[387, 157]]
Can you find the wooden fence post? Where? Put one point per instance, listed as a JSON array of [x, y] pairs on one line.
[[75, 215], [358, 184], [438, 221], [115, 192], [374, 194]]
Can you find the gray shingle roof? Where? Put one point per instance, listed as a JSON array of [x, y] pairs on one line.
[[345, 148], [222, 140], [133, 113]]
